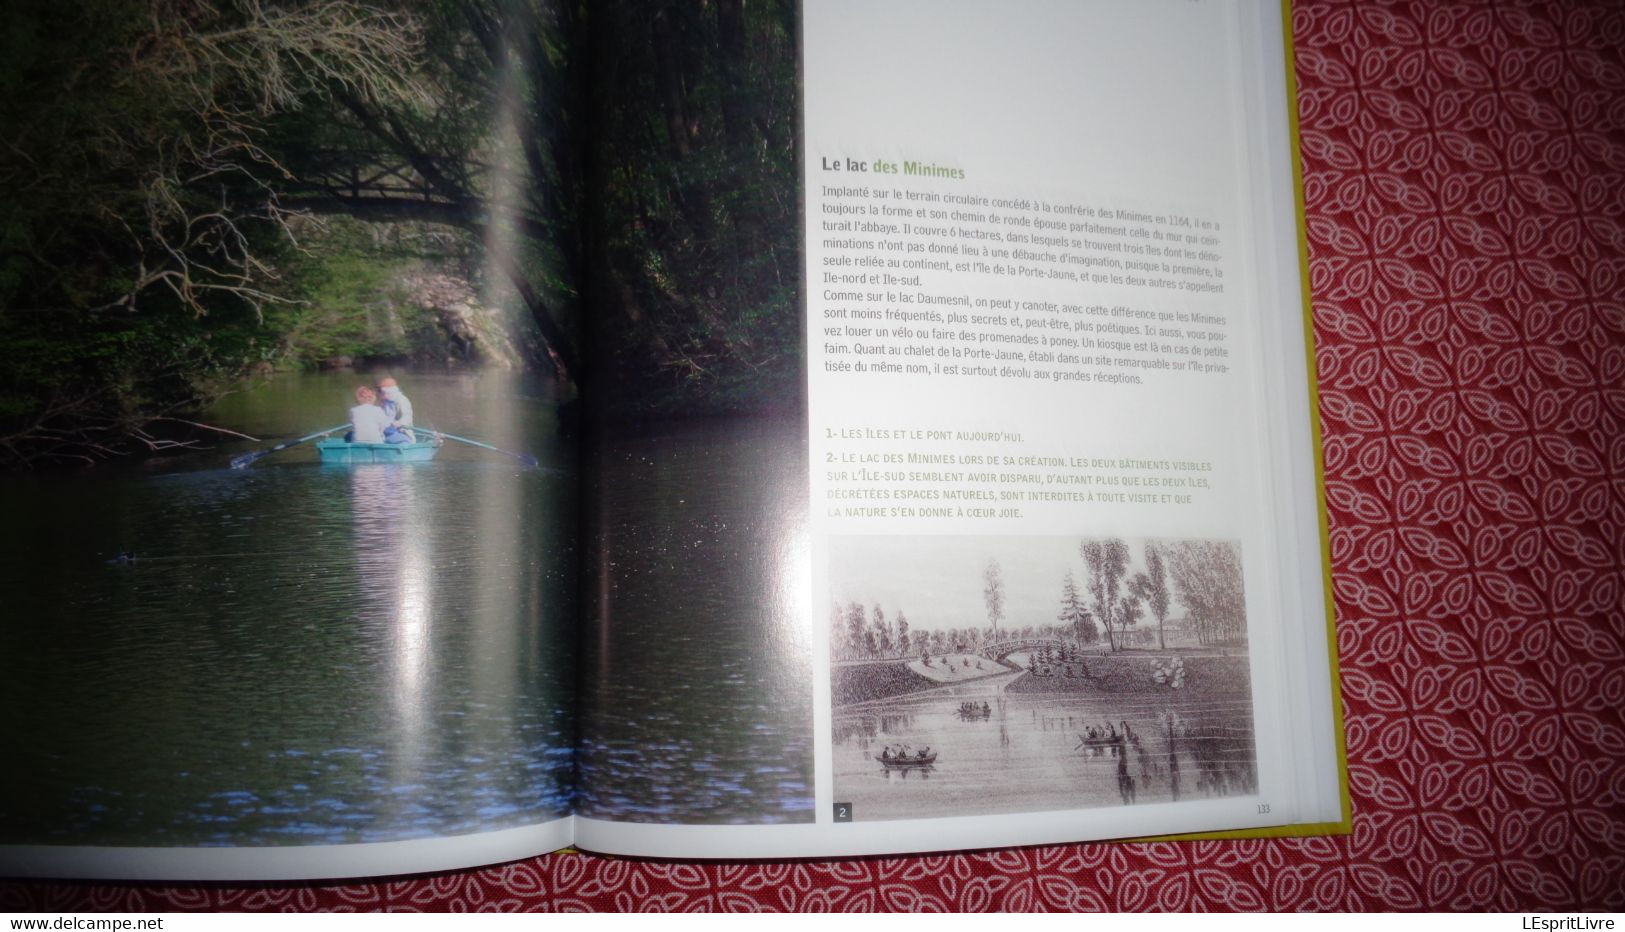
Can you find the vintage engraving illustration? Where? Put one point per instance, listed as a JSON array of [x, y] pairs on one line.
[[978, 675]]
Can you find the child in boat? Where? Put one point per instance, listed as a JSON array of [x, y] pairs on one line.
[[396, 405], [367, 421]]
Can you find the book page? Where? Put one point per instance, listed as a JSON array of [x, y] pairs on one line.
[[1063, 577], [697, 690], [1039, 354], [291, 569]]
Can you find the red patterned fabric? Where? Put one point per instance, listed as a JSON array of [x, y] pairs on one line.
[[1465, 173]]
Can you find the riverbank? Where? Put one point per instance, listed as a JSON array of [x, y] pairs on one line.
[[1113, 674], [868, 682], [957, 668], [871, 681], [1130, 672]]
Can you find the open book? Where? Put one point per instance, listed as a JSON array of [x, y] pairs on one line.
[[926, 460]]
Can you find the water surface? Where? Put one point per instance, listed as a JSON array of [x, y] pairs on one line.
[[699, 706], [1028, 751], [297, 653]]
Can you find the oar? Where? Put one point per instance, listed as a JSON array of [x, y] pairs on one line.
[[525, 458], [238, 462]]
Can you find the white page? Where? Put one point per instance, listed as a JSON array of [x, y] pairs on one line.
[[290, 862], [1139, 125]]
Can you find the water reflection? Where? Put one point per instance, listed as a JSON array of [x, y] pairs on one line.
[[905, 773], [299, 653], [394, 577], [1008, 752], [702, 708]]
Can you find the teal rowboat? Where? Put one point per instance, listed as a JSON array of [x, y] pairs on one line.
[[339, 452]]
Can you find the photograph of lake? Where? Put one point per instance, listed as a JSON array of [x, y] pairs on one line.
[[983, 675], [697, 698], [296, 652], [310, 347], [697, 684]]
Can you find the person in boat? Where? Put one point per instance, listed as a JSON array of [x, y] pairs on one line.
[[886, 754], [923, 753], [396, 405], [368, 422]]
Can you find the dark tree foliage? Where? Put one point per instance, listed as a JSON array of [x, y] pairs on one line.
[[859, 638], [1209, 579], [1075, 616], [695, 236], [156, 151], [494, 148], [138, 236], [1151, 586], [1107, 563]]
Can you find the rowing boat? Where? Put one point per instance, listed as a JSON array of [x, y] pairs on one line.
[[342, 453], [893, 763]]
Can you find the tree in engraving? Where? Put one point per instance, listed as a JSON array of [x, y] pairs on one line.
[[993, 594]]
